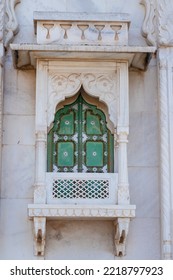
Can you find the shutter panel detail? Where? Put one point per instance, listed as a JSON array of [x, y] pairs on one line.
[[80, 140]]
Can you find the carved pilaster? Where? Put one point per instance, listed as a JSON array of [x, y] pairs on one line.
[[166, 156]]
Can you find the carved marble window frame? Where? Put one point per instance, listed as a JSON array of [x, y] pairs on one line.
[[108, 81]]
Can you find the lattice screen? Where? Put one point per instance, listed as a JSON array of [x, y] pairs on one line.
[[75, 188]]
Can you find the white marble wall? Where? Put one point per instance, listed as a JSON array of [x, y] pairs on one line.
[[78, 239]]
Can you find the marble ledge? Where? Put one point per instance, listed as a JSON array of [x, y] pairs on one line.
[[81, 212], [26, 55], [81, 16]]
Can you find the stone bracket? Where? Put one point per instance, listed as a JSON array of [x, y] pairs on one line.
[[121, 232], [120, 214], [39, 235]]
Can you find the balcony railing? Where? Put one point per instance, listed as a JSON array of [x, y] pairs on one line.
[[82, 188], [82, 29]]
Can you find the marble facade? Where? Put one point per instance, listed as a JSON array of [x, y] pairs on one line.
[[150, 151]]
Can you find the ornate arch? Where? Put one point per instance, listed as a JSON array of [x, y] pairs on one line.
[[103, 86]]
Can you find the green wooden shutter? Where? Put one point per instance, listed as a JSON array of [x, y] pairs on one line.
[[80, 140]]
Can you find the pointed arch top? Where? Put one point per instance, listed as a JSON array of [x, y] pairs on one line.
[[64, 85]]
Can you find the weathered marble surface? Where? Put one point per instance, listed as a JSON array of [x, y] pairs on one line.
[[144, 191], [144, 237], [18, 164], [63, 240], [15, 230], [19, 130], [64, 237]]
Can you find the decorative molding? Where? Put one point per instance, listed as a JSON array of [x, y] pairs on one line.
[[149, 24], [65, 85], [83, 211], [121, 232], [11, 28], [165, 149]]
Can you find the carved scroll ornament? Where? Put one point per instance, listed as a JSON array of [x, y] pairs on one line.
[[11, 27], [65, 85], [149, 24], [158, 22], [1, 19]]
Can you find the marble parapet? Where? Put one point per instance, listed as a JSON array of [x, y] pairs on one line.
[[81, 28]]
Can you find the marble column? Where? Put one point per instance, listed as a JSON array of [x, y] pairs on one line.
[[123, 132], [165, 72], [123, 183], [1, 69], [158, 30]]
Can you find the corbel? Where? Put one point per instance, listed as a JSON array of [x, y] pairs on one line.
[[39, 235], [121, 233]]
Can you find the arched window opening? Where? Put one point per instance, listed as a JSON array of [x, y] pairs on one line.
[[80, 140]]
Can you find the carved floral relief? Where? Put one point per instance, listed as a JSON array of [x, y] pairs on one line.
[[64, 85]]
